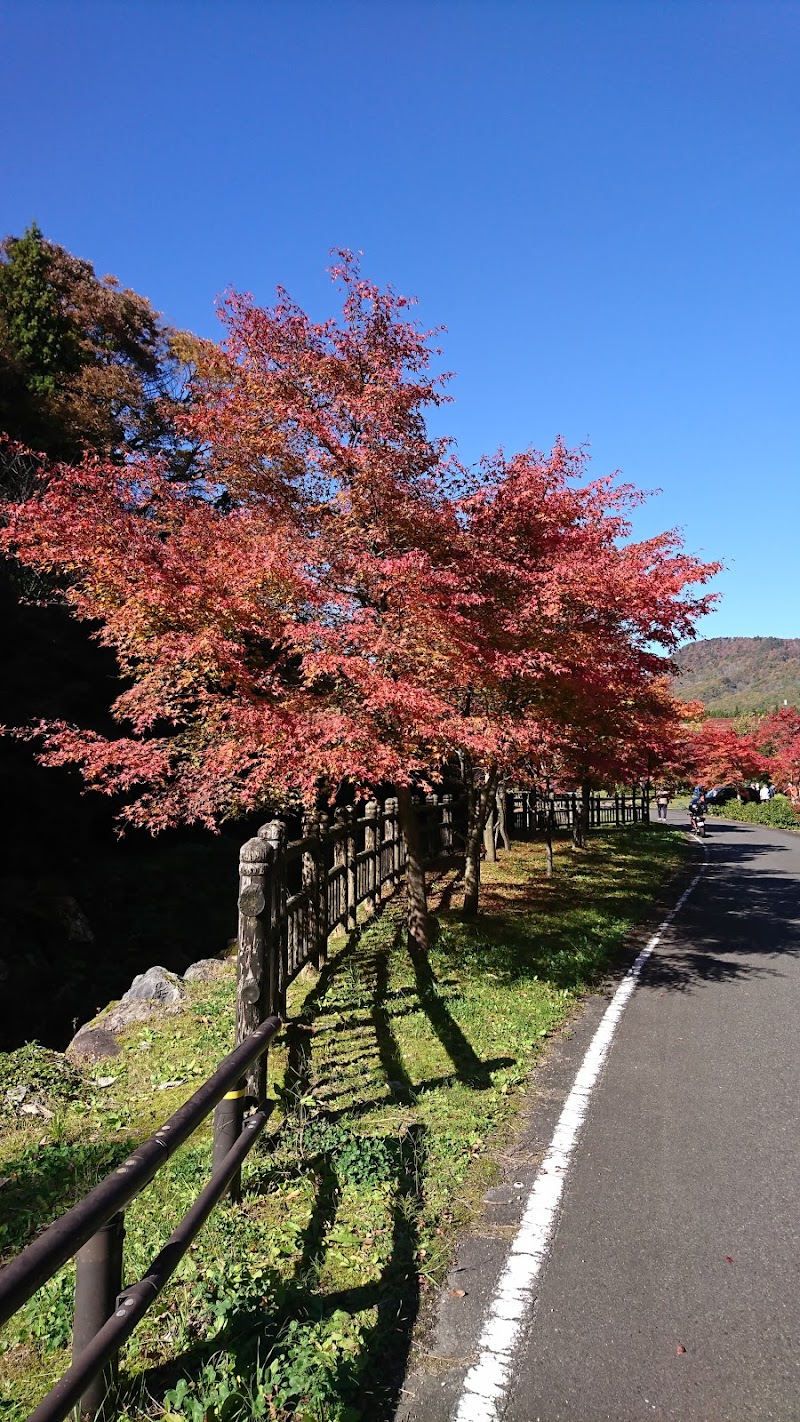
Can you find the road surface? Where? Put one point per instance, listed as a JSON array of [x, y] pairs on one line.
[[671, 1285]]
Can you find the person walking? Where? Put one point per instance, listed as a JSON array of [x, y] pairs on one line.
[[662, 801]]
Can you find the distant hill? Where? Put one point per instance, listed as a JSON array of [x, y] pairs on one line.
[[737, 674]]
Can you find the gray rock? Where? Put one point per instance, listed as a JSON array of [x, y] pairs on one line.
[[125, 1013], [93, 1044], [203, 970], [156, 985]]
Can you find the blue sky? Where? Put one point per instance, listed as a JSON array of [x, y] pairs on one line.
[[598, 198]]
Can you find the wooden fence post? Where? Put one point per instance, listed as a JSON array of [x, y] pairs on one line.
[[340, 863], [255, 960], [372, 848], [447, 823], [310, 869], [274, 834], [350, 861], [392, 834], [98, 1282], [323, 824], [432, 816]]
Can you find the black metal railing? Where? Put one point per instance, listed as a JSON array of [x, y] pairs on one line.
[[93, 1230]]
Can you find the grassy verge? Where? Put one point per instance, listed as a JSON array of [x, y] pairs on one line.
[[395, 1079]]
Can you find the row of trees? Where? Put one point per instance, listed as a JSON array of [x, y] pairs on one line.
[[766, 747], [326, 595]]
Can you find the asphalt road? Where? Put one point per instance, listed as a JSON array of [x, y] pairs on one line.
[[672, 1286]]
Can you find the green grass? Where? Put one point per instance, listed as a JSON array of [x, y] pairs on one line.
[[397, 1080]]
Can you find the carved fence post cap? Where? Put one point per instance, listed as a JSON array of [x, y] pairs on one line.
[[371, 809], [339, 815], [273, 833], [255, 851]]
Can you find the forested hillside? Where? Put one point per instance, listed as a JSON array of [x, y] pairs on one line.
[[737, 674]]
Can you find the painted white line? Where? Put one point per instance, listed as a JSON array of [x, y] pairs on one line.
[[487, 1382]]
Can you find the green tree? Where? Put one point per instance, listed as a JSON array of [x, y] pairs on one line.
[[39, 336], [85, 363]]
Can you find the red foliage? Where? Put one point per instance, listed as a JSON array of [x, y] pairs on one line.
[[324, 604], [719, 755], [575, 617], [778, 736]]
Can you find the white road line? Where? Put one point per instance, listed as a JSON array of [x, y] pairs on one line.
[[488, 1381]]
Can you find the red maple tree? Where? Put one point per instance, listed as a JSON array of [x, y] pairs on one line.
[[292, 618], [576, 620], [325, 603]]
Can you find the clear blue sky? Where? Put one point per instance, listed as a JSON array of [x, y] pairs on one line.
[[598, 198]]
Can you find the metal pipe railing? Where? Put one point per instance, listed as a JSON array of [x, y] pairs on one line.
[[20, 1279], [134, 1301]]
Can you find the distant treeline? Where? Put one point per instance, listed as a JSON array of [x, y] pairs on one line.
[[736, 675]]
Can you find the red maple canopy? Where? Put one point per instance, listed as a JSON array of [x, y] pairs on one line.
[[332, 599]]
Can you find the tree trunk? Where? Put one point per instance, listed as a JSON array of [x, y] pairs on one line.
[[580, 821], [419, 921], [548, 836], [482, 799], [502, 815], [489, 846]]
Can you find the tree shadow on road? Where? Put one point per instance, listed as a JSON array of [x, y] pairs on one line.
[[740, 924]]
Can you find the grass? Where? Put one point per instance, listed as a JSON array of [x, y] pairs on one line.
[[397, 1079]]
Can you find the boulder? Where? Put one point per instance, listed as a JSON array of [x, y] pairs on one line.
[[93, 1044], [156, 985], [127, 1012], [91, 1041], [203, 970]]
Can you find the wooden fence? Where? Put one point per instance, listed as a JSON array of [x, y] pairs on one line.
[[294, 894], [527, 813]]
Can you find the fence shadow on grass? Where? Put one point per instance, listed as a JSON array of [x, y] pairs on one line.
[[256, 1330]]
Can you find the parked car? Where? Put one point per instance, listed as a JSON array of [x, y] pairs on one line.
[[720, 794]]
